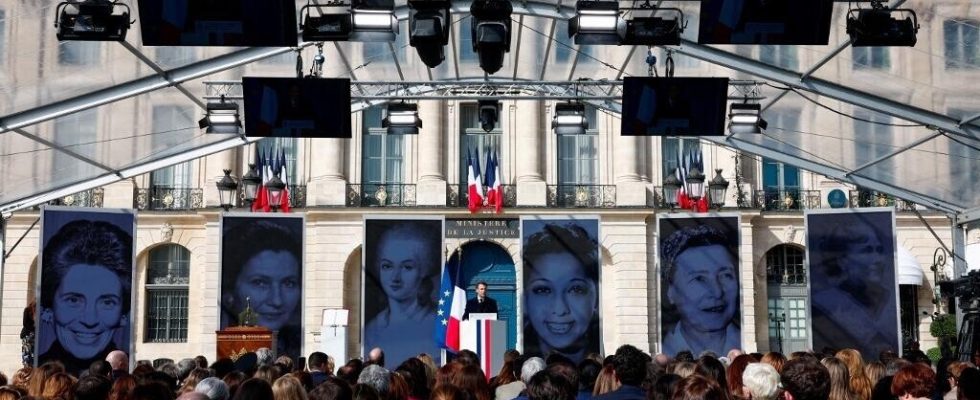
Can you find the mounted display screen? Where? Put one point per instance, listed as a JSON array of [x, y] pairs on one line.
[[765, 22], [218, 22], [297, 107], [674, 106]]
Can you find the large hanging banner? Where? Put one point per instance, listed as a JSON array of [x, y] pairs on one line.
[[402, 265], [853, 287], [699, 284], [85, 285], [262, 269], [561, 286]]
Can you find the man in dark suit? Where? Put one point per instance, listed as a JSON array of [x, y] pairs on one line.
[[480, 304]]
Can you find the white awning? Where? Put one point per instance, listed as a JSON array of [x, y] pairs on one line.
[[909, 270]]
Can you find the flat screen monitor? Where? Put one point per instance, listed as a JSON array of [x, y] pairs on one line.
[[802, 22], [674, 106], [297, 107], [258, 23]]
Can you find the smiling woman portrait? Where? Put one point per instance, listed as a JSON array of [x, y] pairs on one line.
[[86, 276], [261, 267], [561, 288]]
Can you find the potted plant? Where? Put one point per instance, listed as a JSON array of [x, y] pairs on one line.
[[943, 327]]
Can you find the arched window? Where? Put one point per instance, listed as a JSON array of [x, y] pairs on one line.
[[784, 266], [167, 278]]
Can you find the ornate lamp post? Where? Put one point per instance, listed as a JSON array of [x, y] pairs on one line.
[[275, 186], [671, 186], [717, 189], [695, 186], [250, 184], [227, 189]]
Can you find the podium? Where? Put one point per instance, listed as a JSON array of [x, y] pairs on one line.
[[333, 333], [235, 341], [486, 337]]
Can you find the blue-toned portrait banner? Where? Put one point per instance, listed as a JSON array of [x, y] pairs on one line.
[[85, 282], [262, 270], [699, 284], [853, 286], [403, 259], [560, 298]]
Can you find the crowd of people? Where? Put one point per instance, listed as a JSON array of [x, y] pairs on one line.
[[628, 374]]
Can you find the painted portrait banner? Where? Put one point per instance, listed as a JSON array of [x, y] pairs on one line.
[[262, 269], [403, 258], [699, 284], [84, 286], [853, 286], [561, 286]]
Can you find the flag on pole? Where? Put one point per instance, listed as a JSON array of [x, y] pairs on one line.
[[491, 194], [496, 199], [473, 187], [452, 303], [284, 199], [261, 195]]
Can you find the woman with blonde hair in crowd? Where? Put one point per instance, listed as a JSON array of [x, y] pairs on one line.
[[874, 370], [59, 386], [288, 388], [430, 369], [12, 393], [685, 369], [859, 383], [606, 382], [41, 375], [840, 379], [22, 378], [775, 359], [193, 378]]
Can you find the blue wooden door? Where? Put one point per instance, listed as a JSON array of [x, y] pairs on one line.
[[488, 262]]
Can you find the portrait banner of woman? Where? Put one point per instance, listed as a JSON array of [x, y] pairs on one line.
[[403, 258], [85, 285], [262, 269], [853, 284], [699, 283], [560, 301]]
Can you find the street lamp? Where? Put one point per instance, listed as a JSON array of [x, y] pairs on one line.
[[695, 186], [671, 186], [717, 189], [275, 186], [227, 189], [250, 184]]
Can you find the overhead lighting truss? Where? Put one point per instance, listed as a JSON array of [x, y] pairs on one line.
[[92, 20]]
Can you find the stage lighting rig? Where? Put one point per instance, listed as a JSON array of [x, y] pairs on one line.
[[489, 111], [596, 22], [402, 119], [428, 28], [569, 119], [221, 117], [653, 31], [876, 26], [339, 21], [746, 118], [491, 30], [92, 20]]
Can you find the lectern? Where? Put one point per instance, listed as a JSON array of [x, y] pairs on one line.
[[237, 340], [333, 333], [486, 336]]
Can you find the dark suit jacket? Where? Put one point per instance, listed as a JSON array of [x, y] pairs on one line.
[[625, 392], [473, 306]]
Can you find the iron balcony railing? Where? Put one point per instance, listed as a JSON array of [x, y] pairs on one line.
[[458, 195], [870, 198], [787, 199], [85, 198], [381, 195], [582, 196], [297, 196], [165, 198]]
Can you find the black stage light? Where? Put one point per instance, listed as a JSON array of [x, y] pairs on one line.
[[428, 27], [402, 119], [491, 30], [221, 117], [569, 119], [92, 20], [337, 22], [746, 118], [653, 31], [877, 27], [489, 111], [596, 22]]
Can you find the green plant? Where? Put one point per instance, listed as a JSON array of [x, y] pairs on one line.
[[934, 354], [943, 326]]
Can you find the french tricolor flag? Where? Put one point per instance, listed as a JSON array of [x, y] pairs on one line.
[[452, 303], [474, 185]]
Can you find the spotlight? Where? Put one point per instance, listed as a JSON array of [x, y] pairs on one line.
[[92, 20], [402, 119], [569, 119], [489, 114], [428, 27], [746, 118], [221, 117], [596, 22], [491, 32], [877, 27], [653, 31], [337, 22]]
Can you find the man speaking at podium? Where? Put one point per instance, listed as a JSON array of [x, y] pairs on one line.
[[481, 304]]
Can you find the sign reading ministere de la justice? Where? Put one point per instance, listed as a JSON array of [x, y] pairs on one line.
[[497, 228]]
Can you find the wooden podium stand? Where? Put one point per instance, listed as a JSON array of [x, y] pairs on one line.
[[237, 340]]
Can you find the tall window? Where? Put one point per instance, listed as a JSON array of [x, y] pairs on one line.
[[167, 279], [780, 56], [962, 39], [578, 155], [465, 50], [79, 53], [74, 131], [476, 140], [872, 138], [674, 149], [382, 157], [784, 266], [168, 118], [787, 295], [870, 57], [289, 148]]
